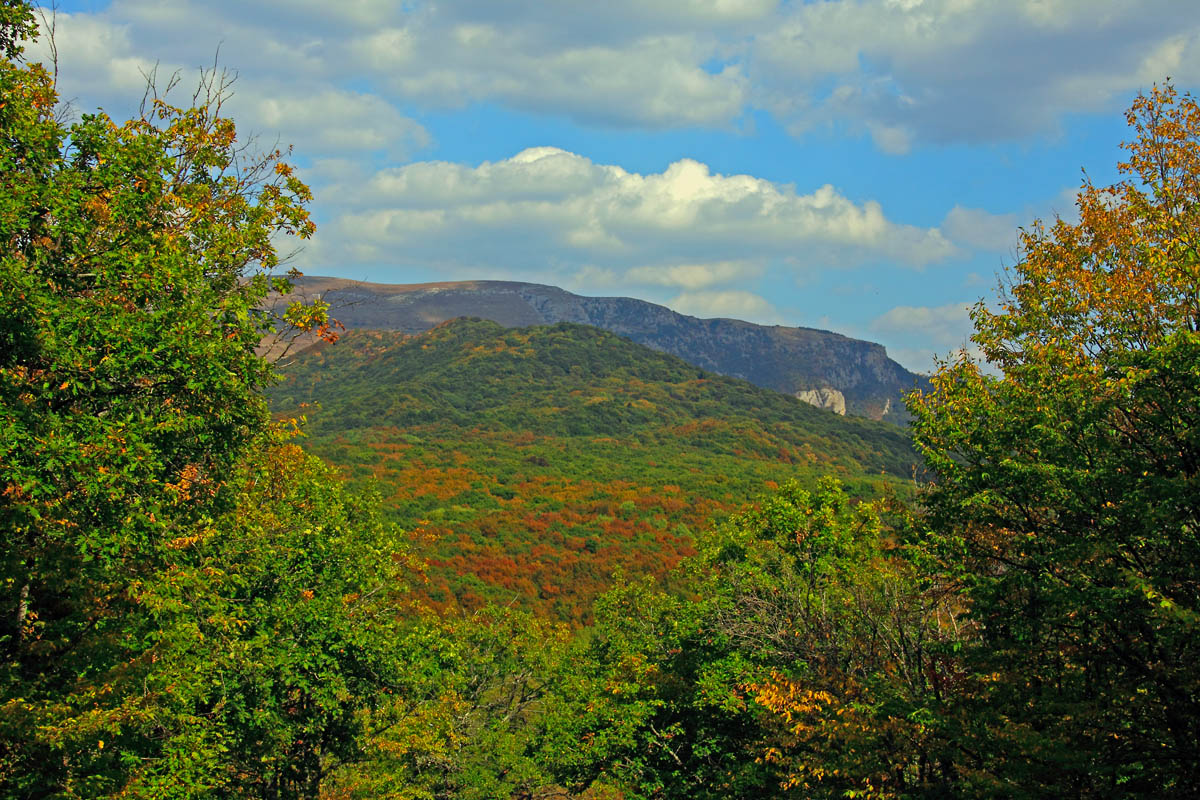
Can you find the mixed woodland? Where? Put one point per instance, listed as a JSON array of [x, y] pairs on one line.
[[547, 562], [529, 465]]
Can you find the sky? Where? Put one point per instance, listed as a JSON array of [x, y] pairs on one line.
[[861, 166]]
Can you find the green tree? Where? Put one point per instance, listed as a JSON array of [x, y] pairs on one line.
[[477, 691], [273, 641], [655, 707], [1067, 491], [859, 635], [189, 607], [812, 660]]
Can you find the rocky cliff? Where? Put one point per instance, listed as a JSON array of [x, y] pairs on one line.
[[836, 372]]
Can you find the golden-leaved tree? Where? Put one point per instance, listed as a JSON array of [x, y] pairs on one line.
[[1067, 490]]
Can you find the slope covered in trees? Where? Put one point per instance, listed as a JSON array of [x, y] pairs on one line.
[[538, 460], [786, 359]]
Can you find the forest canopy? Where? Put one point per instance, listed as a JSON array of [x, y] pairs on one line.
[[191, 604]]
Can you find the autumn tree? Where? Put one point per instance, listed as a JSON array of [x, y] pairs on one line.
[[808, 657], [1067, 491], [860, 638], [189, 607]]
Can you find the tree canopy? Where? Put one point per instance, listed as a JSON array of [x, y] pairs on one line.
[[190, 604], [1067, 489]]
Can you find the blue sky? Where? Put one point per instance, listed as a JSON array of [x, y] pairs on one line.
[[856, 165]]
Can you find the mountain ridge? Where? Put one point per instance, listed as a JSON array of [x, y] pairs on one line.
[[822, 367]]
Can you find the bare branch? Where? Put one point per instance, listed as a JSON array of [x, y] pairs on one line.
[[50, 24]]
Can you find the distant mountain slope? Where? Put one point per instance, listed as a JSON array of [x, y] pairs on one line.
[[561, 380], [536, 461], [827, 369]]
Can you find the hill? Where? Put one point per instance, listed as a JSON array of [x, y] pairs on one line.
[[827, 369], [535, 461]]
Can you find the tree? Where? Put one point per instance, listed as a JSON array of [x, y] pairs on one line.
[[811, 660], [190, 607], [859, 638], [477, 691], [1067, 490], [655, 707], [272, 641]]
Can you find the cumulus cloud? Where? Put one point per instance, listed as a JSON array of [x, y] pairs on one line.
[[98, 60], [910, 330], [731, 303], [651, 82], [331, 121], [685, 226], [980, 229], [103, 63], [649, 68], [953, 71], [626, 62], [905, 74]]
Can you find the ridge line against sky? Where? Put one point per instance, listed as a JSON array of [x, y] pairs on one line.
[[857, 165]]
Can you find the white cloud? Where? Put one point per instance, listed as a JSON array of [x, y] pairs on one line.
[[894, 140], [685, 226], [948, 325], [331, 121], [981, 230], [100, 65], [1065, 206], [646, 64], [694, 276], [97, 59], [909, 332], [967, 70], [654, 81], [733, 303], [904, 73]]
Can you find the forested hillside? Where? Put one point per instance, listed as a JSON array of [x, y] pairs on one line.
[[536, 461], [796, 361]]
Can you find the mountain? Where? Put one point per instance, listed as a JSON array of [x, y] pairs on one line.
[[533, 462], [826, 369]]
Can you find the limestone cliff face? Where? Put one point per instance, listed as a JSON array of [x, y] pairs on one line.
[[803, 362], [826, 397]]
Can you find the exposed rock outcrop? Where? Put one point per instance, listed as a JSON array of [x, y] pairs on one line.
[[825, 397]]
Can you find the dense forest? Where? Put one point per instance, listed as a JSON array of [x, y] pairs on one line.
[[194, 605], [532, 463]]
